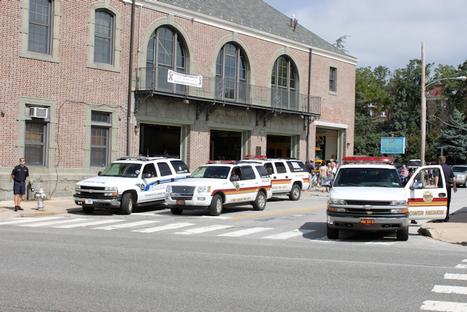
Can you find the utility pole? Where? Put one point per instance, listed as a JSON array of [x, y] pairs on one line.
[[423, 112]]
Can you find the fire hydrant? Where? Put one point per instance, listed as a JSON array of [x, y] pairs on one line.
[[40, 196]]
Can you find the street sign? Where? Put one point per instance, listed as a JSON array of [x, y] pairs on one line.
[[393, 145]]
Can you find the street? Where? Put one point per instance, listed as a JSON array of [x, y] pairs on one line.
[[275, 260]]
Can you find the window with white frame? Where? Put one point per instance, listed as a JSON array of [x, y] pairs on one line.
[[40, 26], [332, 79], [101, 123], [35, 142]]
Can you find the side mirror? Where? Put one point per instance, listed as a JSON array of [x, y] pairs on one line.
[[147, 175], [99, 173], [234, 178], [416, 185]]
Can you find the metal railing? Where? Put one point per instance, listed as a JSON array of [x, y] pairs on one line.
[[229, 91]]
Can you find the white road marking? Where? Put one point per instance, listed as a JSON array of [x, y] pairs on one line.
[[204, 229], [465, 260], [462, 277], [289, 234], [216, 217], [26, 220], [444, 306], [54, 222], [380, 243], [245, 232], [125, 225], [70, 226], [171, 226], [445, 289], [461, 266], [151, 214]]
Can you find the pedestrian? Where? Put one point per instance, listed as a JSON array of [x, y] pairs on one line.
[[323, 175], [450, 179], [19, 175]]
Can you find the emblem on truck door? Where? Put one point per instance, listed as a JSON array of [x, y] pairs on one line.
[[428, 197]]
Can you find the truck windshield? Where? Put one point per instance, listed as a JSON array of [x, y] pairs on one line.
[[211, 172], [124, 170], [367, 177]]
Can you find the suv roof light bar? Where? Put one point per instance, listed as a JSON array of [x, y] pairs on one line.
[[367, 160], [230, 162]]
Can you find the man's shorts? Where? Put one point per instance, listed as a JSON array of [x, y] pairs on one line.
[[19, 188]]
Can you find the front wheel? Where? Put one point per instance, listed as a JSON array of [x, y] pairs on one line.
[[215, 208], [403, 234], [127, 204], [295, 193], [332, 233], [260, 201]]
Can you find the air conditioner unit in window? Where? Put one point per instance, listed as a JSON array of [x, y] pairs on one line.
[[39, 112]]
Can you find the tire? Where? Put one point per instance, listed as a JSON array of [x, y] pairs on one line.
[[332, 233], [295, 193], [176, 210], [127, 204], [403, 235], [260, 201], [88, 209], [215, 208]]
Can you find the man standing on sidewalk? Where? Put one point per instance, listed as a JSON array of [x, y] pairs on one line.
[[19, 176], [450, 179]]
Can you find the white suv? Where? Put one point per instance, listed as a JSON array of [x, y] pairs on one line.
[[214, 185], [128, 182], [289, 176]]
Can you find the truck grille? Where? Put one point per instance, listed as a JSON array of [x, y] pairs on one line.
[[367, 202], [182, 192], [96, 188]]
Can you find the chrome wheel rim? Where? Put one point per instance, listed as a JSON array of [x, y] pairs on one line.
[[219, 206], [296, 192], [261, 200]]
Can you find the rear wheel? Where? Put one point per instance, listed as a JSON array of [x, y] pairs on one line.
[[127, 204], [260, 201], [295, 193], [403, 234], [176, 210], [332, 233], [215, 208], [88, 209]]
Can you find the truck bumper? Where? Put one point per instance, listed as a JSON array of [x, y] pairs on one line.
[[378, 224], [98, 203]]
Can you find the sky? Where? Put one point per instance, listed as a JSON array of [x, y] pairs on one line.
[[387, 33]]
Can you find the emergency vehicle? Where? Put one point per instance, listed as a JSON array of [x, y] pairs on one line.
[[367, 195], [129, 182], [220, 183], [289, 176]]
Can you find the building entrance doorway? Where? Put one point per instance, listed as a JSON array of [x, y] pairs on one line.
[[225, 145], [278, 146], [328, 144], [159, 140]]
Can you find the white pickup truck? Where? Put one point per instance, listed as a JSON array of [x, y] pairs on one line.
[[367, 195], [129, 182]]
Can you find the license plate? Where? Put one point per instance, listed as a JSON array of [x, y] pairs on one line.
[[367, 221], [180, 202], [88, 202]]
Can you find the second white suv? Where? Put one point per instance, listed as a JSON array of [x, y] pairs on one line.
[[130, 182], [289, 176]]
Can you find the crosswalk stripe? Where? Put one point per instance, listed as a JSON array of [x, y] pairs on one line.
[[171, 226], [204, 229], [245, 232], [465, 260], [289, 234], [70, 226], [380, 243], [26, 220], [54, 222], [125, 225], [444, 306], [461, 266], [445, 289], [462, 277]]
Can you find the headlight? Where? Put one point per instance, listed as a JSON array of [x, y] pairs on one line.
[[168, 189], [399, 203], [203, 189], [333, 201], [400, 211], [111, 188], [334, 209]]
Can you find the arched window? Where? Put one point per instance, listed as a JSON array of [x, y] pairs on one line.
[[231, 73], [284, 83], [166, 50], [104, 37]]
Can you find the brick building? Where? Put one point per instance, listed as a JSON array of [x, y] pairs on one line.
[[251, 81]]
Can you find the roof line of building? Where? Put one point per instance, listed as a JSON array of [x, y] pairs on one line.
[[233, 27]]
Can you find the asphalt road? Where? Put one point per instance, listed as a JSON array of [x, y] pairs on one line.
[[275, 260]]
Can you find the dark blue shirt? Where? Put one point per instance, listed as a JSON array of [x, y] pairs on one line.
[[20, 173], [448, 174]]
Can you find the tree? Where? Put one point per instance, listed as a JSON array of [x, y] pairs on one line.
[[454, 137]]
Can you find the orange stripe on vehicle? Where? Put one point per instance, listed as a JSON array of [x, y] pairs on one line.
[[421, 200], [242, 190]]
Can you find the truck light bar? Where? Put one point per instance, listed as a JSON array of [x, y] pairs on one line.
[[230, 162], [367, 159], [250, 157]]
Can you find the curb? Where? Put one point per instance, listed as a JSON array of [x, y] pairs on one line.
[[434, 234]]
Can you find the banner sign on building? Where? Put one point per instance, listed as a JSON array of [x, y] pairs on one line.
[[393, 145], [184, 79]]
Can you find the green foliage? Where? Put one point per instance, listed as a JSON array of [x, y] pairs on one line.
[[454, 137]]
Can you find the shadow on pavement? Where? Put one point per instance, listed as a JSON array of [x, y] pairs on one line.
[[460, 216]]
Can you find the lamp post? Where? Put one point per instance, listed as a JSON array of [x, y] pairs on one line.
[[423, 106]]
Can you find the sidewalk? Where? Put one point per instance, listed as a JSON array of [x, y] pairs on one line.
[[55, 206], [454, 231]]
